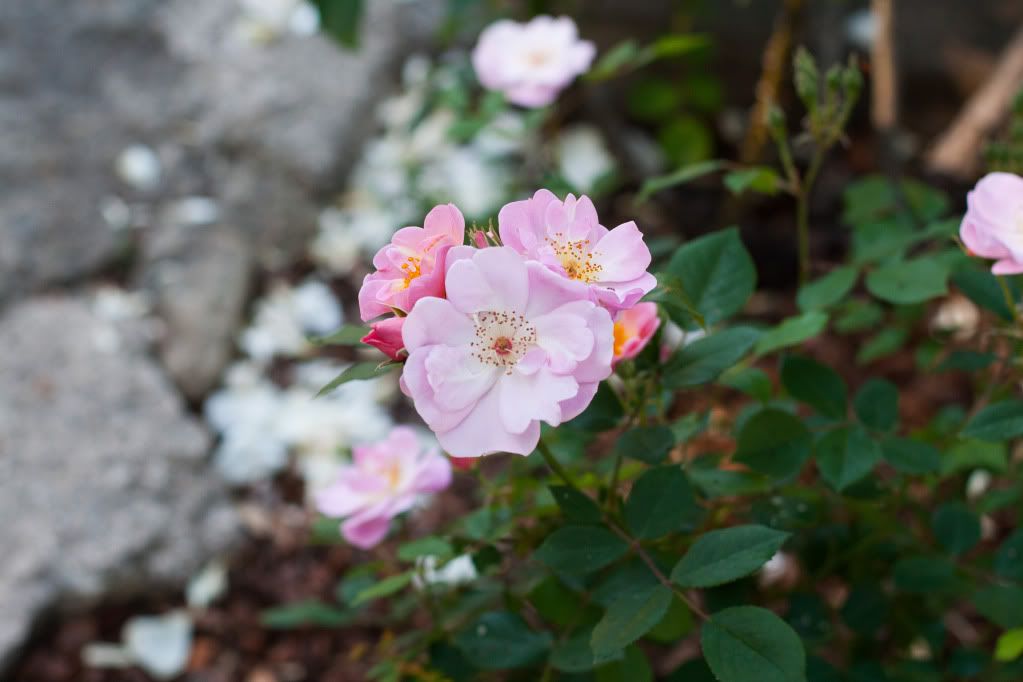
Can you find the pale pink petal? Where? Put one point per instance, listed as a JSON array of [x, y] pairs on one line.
[[565, 335], [621, 254], [436, 321], [365, 532], [549, 290], [417, 385], [446, 221], [526, 399], [597, 366], [1007, 267], [495, 279], [433, 474], [482, 432], [457, 378], [574, 406], [371, 297], [622, 295]]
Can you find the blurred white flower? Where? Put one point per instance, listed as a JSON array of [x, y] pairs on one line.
[[504, 135], [399, 111], [264, 21], [416, 71], [160, 645], [430, 138], [207, 585], [776, 570], [195, 210], [860, 28], [958, 315], [457, 571], [139, 167], [463, 177], [977, 484], [285, 318], [337, 246], [583, 158]]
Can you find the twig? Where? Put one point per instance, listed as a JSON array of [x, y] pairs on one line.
[[775, 65], [884, 93], [957, 151]]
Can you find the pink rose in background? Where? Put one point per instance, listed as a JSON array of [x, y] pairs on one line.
[[513, 344], [383, 480], [532, 62], [567, 238], [993, 225], [385, 336], [633, 330], [412, 265]]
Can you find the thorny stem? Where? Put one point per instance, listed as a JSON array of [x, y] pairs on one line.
[[633, 543]]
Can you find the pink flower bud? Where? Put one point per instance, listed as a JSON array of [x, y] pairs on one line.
[[385, 336]]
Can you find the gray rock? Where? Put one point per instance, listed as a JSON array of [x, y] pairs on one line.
[[104, 489], [198, 277]]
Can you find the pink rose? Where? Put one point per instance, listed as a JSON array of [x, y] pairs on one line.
[[385, 336], [531, 63], [412, 265], [567, 238], [633, 330], [993, 225], [513, 344], [383, 480]]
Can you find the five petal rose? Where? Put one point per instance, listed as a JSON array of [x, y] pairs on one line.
[[633, 330], [384, 479], [412, 265], [993, 225], [514, 344], [567, 237], [531, 62]]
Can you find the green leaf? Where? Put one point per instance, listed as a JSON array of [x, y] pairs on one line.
[[604, 412], [650, 444], [912, 281], [911, 456], [703, 360], [575, 655], [722, 556], [499, 640], [677, 623], [760, 179], [671, 293], [882, 344], [681, 176], [348, 335], [877, 404], [305, 613], [428, 546], [997, 422], [775, 443], [717, 273], [816, 385], [923, 574], [1009, 557], [360, 371], [846, 455], [1001, 604], [576, 507], [341, 19], [751, 644], [632, 667], [792, 332], [956, 527], [617, 58], [659, 502], [627, 619], [1009, 646], [752, 381], [858, 315], [384, 588], [825, 292], [581, 549], [982, 287]]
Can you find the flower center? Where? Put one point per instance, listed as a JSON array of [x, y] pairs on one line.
[[411, 268], [576, 258], [621, 336], [537, 58], [502, 338]]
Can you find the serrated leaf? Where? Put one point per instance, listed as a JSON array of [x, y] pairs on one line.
[[627, 619], [775, 443], [825, 292], [360, 371], [581, 549], [911, 456], [721, 556], [846, 455], [703, 360], [792, 332], [751, 644], [576, 507], [650, 444], [717, 273], [499, 640], [908, 282], [997, 422], [877, 404], [659, 502], [816, 385]]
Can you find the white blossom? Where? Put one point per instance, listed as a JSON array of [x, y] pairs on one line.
[[583, 157]]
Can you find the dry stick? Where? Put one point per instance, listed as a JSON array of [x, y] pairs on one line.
[[775, 66], [884, 101], [957, 151], [633, 543]]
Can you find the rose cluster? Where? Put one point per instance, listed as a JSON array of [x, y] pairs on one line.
[[515, 330]]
